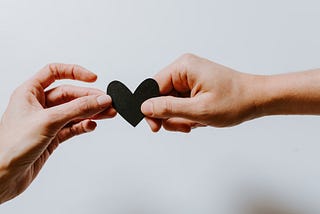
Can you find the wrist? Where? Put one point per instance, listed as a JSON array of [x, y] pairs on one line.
[[266, 95], [254, 95], [292, 93]]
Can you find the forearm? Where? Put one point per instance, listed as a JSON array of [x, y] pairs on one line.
[[293, 93]]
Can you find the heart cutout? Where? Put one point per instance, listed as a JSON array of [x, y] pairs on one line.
[[127, 104]]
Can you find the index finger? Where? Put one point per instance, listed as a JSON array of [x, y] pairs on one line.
[[164, 78], [175, 77], [52, 72]]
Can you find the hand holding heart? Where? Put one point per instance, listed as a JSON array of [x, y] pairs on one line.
[[38, 120], [197, 92]]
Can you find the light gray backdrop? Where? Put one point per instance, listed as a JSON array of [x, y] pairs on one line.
[[269, 164]]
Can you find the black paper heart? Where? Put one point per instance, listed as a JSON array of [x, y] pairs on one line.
[[127, 104]]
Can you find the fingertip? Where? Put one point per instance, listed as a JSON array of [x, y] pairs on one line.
[[147, 108], [89, 126], [89, 75], [78, 72], [93, 77], [112, 112], [109, 98], [104, 100], [83, 107], [185, 130], [155, 124]]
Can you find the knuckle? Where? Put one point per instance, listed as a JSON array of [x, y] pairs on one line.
[[53, 146], [187, 58], [166, 107], [75, 67], [46, 120], [57, 70], [48, 66], [47, 123], [63, 92], [53, 68], [51, 65], [84, 106], [73, 70], [75, 130], [204, 110], [184, 63], [81, 128]]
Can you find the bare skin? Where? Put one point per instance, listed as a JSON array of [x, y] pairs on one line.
[[197, 92], [38, 120]]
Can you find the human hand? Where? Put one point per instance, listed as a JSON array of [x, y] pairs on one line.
[[38, 120], [198, 92]]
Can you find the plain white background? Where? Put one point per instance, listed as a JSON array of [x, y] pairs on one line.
[[262, 166]]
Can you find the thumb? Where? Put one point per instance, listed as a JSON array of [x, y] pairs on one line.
[[166, 107], [81, 108]]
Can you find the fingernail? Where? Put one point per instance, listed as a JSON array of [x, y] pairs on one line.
[[104, 100], [147, 108], [89, 129]]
